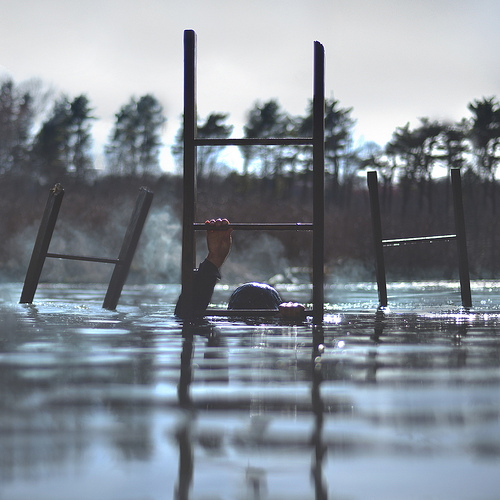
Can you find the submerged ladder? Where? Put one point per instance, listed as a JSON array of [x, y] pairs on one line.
[[191, 142], [459, 237], [122, 263]]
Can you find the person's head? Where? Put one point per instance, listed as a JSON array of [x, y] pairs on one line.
[[255, 296]]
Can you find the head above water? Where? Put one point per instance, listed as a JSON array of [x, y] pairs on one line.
[[255, 296]]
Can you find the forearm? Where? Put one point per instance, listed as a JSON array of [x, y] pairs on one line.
[[205, 278]]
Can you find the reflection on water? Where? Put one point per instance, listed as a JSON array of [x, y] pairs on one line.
[[134, 405]]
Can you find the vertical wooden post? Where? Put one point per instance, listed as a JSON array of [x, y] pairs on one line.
[[463, 260], [318, 182], [42, 243], [128, 248], [190, 154], [377, 238]]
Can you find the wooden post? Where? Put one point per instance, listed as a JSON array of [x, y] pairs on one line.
[[377, 238], [463, 260], [128, 248], [318, 183], [42, 243], [190, 155]]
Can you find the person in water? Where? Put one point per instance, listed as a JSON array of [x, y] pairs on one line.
[[248, 296]]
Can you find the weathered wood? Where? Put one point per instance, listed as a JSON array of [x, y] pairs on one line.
[[459, 237], [463, 259], [190, 159], [259, 226], [42, 243], [377, 238], [318, 183], [128, 248]]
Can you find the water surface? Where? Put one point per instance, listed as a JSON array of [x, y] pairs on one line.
[[134, 405]]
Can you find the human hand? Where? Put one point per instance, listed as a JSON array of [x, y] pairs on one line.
[[292, 311], [218, 240]]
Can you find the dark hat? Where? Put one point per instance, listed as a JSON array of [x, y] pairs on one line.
[[255, 296]]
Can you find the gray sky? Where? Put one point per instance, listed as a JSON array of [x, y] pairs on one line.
[[392, 61]]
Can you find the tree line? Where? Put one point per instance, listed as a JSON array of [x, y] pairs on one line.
[[47, 138]]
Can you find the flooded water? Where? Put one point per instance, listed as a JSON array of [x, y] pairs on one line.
[[134, 405]]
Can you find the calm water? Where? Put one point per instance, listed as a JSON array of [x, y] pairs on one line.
[[134, 405]]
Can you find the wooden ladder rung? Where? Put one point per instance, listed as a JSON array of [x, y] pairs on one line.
[[82, 258], [420, 239], [260, 226], [254, 141]]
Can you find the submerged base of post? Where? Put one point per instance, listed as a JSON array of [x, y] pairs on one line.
[[128, 248], [42, 243]]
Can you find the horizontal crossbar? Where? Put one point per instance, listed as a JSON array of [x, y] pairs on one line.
[[257, 141], [78, 257], [420, 239], [254, 226], [250, 313]]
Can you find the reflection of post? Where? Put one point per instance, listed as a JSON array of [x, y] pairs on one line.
[[183, 435], [317, 408]]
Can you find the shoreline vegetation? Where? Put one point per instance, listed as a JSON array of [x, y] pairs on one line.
[[47, 139], [93, 219]]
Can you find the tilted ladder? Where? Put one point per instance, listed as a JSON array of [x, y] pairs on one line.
[[459, 237], [122, 263], [191, 142]]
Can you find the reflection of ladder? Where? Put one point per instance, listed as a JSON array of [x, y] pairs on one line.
[[459, 237], [191, 142], [122, 263]]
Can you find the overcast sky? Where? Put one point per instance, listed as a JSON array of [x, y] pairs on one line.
[[392, 61]]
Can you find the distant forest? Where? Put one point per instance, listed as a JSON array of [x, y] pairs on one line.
[[46, 139]]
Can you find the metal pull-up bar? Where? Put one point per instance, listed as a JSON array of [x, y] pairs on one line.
[[191, 142]]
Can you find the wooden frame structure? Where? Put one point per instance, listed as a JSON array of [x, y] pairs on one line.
[[122, 263], [459, 237], [191, 142]]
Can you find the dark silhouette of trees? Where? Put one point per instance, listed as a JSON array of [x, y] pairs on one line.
[[80, 138], [208, 156], [341, 161], [135, 141], [484, 135], [63, 142], [20, 105], [267, 120]]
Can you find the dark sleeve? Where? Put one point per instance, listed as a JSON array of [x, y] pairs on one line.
[[205, 278]]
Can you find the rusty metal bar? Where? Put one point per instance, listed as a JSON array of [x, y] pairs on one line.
[[260, 226], [318, 182], [190, 157], [420, 239], [82, 258], [463, 260], [258, 141], [42, 243], [129, 245], [377, 238]]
